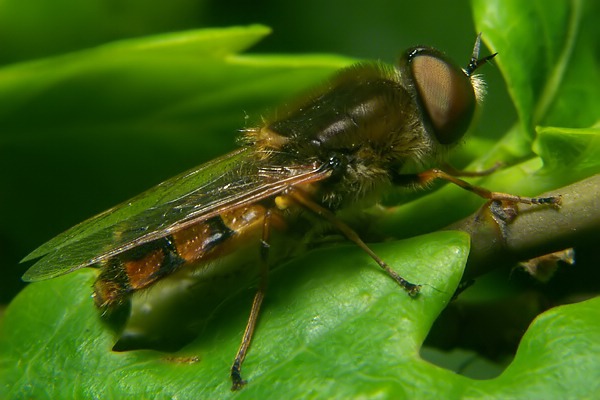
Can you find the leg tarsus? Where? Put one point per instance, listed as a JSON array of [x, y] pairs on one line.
[[236, 376]]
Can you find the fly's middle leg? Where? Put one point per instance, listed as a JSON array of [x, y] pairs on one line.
[[302, 198]]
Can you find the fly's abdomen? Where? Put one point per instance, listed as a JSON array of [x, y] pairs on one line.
[[192, 247]]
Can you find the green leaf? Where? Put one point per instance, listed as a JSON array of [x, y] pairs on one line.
[[152, 86], [39, 28], [547, 56], [332, 323], [535, 46], [558, 357], [569, 154]]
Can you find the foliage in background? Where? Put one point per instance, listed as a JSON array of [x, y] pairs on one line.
[[354, 333]]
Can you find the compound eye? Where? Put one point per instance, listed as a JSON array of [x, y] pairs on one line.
[[445, 93]]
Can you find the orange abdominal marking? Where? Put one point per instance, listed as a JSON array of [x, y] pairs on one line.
[[139, 271]]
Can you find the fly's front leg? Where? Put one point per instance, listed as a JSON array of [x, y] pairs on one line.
[[425, 177], [236, 369], [301, 198]]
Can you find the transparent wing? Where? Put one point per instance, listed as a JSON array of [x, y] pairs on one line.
[[234, 180]]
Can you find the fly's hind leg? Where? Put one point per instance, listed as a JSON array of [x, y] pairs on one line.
[[236, 369]]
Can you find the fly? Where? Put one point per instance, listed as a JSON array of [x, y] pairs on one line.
[[356, 136]]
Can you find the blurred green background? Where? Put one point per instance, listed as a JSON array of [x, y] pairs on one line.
[[51, 178]]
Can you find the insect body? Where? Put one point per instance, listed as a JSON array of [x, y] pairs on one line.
[[339, 148]]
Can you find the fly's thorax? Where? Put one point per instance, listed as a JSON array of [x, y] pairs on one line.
[[365, 111], [364, 124]]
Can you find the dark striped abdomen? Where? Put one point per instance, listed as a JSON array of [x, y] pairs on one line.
[[142, 266]]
